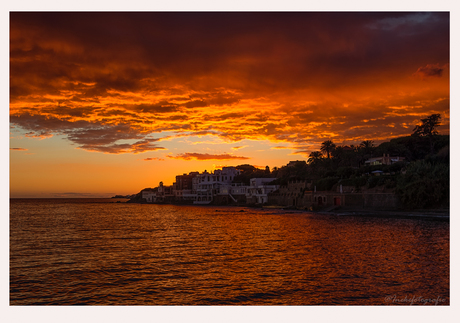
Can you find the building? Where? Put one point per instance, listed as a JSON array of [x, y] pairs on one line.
[[258, 190], [384, 160], [183, 187], [208, 185], [301, 194], [149, 194], [290, 194], [184, 182], [164, 194], [216, 187]]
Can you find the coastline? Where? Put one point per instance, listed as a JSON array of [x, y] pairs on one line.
[[434, 214], [442, 215], [439, 213]]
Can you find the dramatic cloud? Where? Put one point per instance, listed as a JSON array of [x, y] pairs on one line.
[[91, 136], [198, 156], [18, 149], [137, 147], [430, 70], [112, 82], [153, 158]]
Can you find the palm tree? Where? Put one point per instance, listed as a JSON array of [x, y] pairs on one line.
[[327, 147], [338, 153], [367, 146], [314, 156], [352, 155], [428, 129]]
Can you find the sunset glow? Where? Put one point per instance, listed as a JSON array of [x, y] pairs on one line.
[[111, 103]]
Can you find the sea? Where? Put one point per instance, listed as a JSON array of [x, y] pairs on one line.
[[108, 252]]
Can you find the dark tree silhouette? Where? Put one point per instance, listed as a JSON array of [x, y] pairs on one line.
[[367, 146], [428, 129], [338, 154], [314, 156], [327, 147], [428, 126]]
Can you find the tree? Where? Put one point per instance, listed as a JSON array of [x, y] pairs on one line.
[[246, 168], [338, 155], [428, 126], [367, 146], [327, 147], [314, 157], [428, 129], [425, 184], [365, 150]]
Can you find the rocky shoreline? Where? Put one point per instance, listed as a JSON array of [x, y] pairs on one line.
[[435, 214]]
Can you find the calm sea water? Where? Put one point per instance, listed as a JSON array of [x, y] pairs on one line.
[[96, 252]]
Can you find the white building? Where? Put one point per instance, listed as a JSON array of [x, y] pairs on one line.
[[258, 190], [158, 194], [384, 160], [150, 195], [207, 185], [203, 188]]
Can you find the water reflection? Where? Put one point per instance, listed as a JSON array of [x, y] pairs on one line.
[[100, 253]]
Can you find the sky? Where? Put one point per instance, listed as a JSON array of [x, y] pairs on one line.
[[110, 103]]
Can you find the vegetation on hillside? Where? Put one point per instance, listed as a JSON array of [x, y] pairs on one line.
[[421, 180]]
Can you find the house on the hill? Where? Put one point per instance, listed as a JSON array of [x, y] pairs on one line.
[[384, 160]]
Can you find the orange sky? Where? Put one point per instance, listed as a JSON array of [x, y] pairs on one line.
[[111, 103]]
